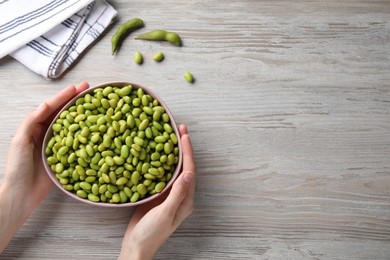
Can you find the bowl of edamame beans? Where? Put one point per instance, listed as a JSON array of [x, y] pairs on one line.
[[113, 145]]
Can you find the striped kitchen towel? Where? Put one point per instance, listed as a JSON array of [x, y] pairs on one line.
[[48, 36]]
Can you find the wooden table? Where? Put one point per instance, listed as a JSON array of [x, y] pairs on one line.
[[289, 117]]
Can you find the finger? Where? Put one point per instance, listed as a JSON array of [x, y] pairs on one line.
[[25, 131], [185, 209], [186, 205], [61, 98], [188, 154], [57, 101], [81, 87], [177, 194], [183, 130]]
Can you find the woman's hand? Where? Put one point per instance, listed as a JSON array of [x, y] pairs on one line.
[[25, 182], [154, 222]]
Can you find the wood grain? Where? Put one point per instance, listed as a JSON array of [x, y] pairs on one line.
[[289, 117]]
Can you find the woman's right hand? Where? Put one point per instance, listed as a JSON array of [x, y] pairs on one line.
[[153, 222]]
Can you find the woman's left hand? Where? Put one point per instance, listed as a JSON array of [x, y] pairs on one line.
[[25, 182]]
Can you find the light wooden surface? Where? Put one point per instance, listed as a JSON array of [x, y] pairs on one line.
[[289, 117]]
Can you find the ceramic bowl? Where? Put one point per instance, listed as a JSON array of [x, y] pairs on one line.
[[49, 134]]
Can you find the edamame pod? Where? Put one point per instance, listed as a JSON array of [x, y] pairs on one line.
[[124, 30], [161, 35]]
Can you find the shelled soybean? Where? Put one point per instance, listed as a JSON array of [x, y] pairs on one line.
[[115, 145]]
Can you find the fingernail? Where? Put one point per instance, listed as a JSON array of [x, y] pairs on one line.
[[188, 176]]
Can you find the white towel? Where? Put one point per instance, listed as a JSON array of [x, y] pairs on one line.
[[48, 36]]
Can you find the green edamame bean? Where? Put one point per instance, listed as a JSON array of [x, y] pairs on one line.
[[112, 188], [115, 198], [145, 167], [171, 159], [158, 126], [95, 189], [126, 108], [90, 179], [68, 187], [79, 118], [96, 158], [142, 126], [123, 196], [136, 102], [90, 151], [125, 151], [165, 117], [168, 147], [159, 147], [135, 177], [153, 171], [103, 198], [57, 127], [160, 139], [82, 194], [155, 156], [188, 76], [85, 185], [52, 160], [163, 158], [102, 188], [82, 139], [125, 91], [106, 178], [92, 197], [63, 150], [128, 192], [136, 111], [138, 57], [149, 176], [108, 194], [90, 172], [101, 120], [59, 167], [117, 142], [173, 137], [147, 182], [63, 181], [148, 133], [69, 141], [124, 30], [136, 147], [122, 181], [118, 160], [157, 115], [134, 152], [141, 189], [159, 56], [148, 110], [74, 127], [159, 186], [134, 197], [119, 170], [83, 153], [168, 128], [106, 141], [161, 35], [109, 160]]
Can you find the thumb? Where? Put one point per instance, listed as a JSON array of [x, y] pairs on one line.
[[178, 192]]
